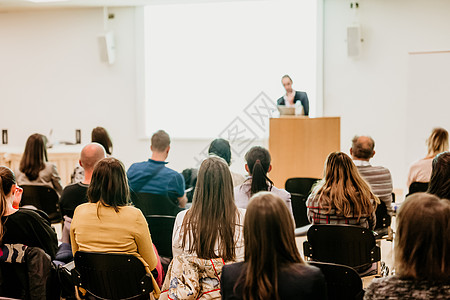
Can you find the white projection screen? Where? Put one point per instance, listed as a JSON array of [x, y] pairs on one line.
[[206, 63]]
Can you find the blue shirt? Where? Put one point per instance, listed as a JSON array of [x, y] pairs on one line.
[[154, 177]]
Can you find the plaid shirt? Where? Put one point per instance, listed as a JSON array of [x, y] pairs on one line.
[[319, 215]]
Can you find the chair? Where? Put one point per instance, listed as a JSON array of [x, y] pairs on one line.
[[153, 204], [300, 188], [161, 228], [343, 282], [111, 276], [43, 198], [349, 245], [417, 187]]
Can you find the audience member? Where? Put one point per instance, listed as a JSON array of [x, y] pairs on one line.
[[212, 227], [221, 148], [34, 167], [422, 252], [273, 267], [98, 135], [206, 236], [21, 225], [379, 178], [75, 194], [440, 176], [342, 196], [108, 223], [154, 177], [258, 165], [420, 171]]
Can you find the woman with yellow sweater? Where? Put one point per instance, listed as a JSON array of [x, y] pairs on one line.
[[109, 224]]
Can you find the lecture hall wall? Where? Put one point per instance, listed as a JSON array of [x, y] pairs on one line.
[[51, 76]]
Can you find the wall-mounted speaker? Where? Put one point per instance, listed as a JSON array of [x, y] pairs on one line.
[[107, 47], [354, 40]]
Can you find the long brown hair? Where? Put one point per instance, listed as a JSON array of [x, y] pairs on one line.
[[422, 245], [437, 142], [269, 245], [101, 136], [34, 156], [344, 189], [7, 180], [212, 217], [109, 184]]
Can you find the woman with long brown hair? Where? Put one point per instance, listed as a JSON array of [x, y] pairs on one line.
[[21, 225], [212, 227], [342, 196], [273, 268], [422, 252], [34, 167]]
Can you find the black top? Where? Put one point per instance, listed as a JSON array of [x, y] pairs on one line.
[[296, 281], [299, 96], [31, 228], [72, 196]]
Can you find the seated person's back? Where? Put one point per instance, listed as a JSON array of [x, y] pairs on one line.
[[154, 177]]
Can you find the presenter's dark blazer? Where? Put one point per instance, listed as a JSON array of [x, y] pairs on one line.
[[299, 96]]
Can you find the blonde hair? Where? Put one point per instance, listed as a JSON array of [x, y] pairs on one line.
[[437, 142], [422, 245], [343, 188]]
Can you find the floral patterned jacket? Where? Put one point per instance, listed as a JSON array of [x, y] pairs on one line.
[[190, 277]]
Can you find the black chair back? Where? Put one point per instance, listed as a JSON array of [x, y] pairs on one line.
[[153, 204], [111, 276], [161, 228], [349, 245], [417, 187], [43, 198], [300, 188], [343, 282]]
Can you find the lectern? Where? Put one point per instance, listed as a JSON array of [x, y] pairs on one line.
[[300, 145]]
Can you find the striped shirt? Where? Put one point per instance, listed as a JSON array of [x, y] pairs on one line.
[[380, 181], [317, 214]]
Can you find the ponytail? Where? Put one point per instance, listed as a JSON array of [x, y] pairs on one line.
[[258, 161]]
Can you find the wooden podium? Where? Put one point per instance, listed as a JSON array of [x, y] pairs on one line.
[[300, 145]]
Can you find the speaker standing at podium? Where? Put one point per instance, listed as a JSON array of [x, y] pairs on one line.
[[293, 96]]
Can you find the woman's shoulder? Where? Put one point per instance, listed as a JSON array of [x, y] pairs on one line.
[[282, 193], [29, 214]]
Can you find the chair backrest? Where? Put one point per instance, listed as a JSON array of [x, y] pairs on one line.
[[348, 245], [417, 187], [111, 276], [300, 185], [383, 217], [161, 228], [154, 204], [300, 188], [343, 282], [43, 198]]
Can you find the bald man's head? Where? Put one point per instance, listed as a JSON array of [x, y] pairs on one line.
[[362, 147], [91, 154]]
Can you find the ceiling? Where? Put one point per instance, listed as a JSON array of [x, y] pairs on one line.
[[12, 5]]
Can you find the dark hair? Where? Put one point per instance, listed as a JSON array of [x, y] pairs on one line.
[[269, 245], [34, 156], [258, 162], [221, 148], [213, 214], [440, 176], [7, 179], [160, 141], [362, 150], [287, 76], [109, 184], [101, 136], [422, 243]]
